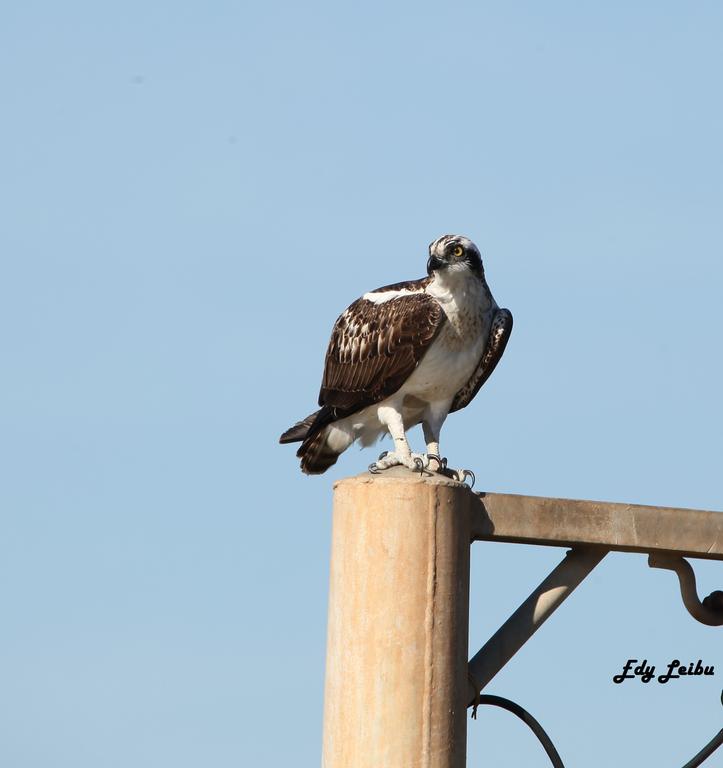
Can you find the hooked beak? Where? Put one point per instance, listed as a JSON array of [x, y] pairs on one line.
[[434, 262]]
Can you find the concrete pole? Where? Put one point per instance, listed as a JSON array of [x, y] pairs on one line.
[[396, 667]]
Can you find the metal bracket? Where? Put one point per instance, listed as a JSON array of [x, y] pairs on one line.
[[710, 610], [528, 618]]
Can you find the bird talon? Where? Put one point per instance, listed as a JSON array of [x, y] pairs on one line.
[[468, 473], [433, 457], [453, 474], [373, 468], [382, 455], [419, 465]]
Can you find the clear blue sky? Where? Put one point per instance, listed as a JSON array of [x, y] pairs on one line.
[[190, 194]]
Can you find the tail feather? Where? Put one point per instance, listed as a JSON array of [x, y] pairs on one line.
[[300, 430], [321, 444], [316, 454]]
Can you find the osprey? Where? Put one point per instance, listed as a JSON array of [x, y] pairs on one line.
[[403, 354]]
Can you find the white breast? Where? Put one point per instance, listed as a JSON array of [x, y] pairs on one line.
[[453, 356]]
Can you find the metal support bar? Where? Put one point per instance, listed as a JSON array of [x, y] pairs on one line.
[[617, 527], [527, 619], [710, 610]]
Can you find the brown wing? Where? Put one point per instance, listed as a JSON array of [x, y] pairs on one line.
[[374, 348], [499, 336]]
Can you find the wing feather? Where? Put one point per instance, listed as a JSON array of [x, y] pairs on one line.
[[498, 338], [374, 348]]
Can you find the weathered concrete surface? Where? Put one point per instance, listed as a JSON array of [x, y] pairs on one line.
[[396, 676], [626, 527], [396, 681]]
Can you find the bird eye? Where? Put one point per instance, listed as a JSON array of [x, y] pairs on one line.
[[457, 250]]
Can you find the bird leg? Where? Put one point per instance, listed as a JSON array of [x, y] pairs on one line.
[[402, 453], [431, 427], [431, 438]]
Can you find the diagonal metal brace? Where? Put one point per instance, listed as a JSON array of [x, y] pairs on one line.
[[710, 610], [527, 619]]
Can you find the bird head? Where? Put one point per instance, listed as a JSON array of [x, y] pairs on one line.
[[454, 253]]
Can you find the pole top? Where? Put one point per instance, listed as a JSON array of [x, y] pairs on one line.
[[400, 475]]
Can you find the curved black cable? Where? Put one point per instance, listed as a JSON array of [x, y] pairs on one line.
[[549, 747], [528, 719], [707, 750]]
